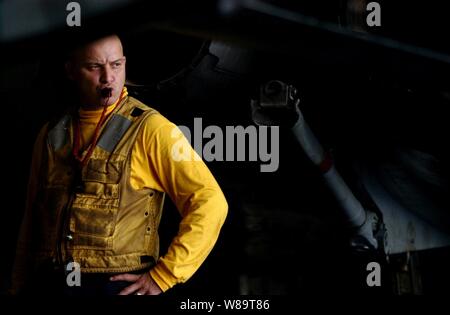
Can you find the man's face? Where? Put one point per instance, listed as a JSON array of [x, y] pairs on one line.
[[99, 65]]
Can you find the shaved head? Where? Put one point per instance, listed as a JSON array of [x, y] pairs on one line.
[[111, 41]]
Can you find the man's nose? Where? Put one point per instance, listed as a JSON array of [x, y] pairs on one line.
[[107, 75]]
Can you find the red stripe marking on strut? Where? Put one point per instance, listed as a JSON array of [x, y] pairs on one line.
[[326, 163]]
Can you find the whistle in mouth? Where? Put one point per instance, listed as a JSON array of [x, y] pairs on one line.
[[106, 92]]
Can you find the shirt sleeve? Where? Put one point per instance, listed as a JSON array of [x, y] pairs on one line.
[[174, 167]]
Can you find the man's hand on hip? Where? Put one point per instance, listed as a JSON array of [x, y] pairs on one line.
[[143, 284]]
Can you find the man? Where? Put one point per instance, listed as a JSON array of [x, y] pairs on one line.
[[97, 186]]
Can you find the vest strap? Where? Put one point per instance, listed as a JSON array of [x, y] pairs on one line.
[[59, 135], [114, 130]]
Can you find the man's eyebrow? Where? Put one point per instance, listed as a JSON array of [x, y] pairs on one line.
[[93, 62], [118, 60], [96, 62]]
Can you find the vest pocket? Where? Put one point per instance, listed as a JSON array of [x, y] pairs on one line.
[[94, 210], [93, 215], [92, 226], [104, 171], [101, 191], [96, 221]]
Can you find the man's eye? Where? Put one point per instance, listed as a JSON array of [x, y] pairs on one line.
[[93, 67], [116, 65]]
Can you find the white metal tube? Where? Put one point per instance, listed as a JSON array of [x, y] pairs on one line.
[[353, 209], [308, 141]]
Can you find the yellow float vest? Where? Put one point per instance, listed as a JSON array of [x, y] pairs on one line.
[[96, 218]]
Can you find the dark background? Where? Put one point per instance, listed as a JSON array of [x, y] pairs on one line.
[[284, 233]]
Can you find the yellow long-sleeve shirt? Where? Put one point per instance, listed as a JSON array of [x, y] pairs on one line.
[[189, 184]]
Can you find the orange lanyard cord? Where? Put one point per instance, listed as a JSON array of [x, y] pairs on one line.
[[77, 134]]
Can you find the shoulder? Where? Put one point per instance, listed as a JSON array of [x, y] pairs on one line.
[[135, 103], [154, 122]]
